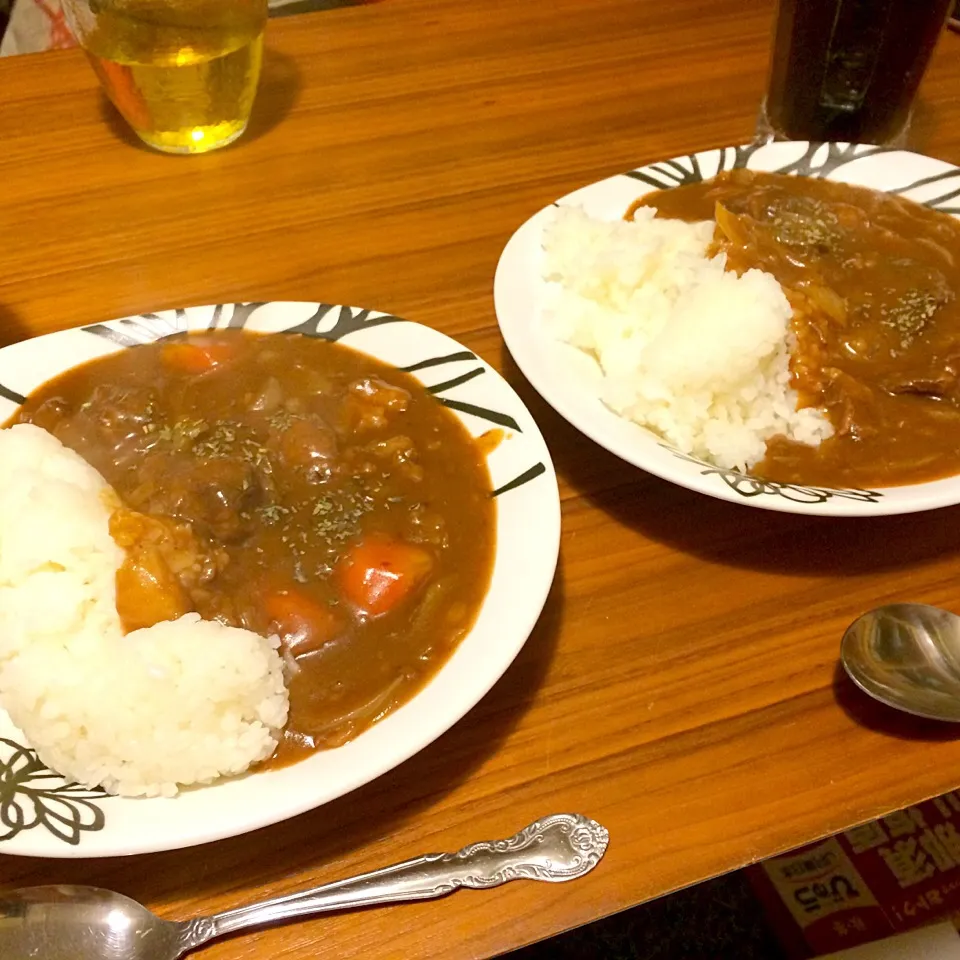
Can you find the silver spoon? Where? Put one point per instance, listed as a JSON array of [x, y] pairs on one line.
[[87, 923], [907, 655]]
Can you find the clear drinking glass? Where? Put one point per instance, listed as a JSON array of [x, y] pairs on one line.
[[183, 73], [848, 70]]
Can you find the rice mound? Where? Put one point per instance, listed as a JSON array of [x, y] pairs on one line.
[[183, 702], [695, 353]]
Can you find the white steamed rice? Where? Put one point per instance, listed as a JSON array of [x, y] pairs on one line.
[[182, 702], [697, 354]]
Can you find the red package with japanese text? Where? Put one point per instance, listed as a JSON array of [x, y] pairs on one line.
[[884, 877]]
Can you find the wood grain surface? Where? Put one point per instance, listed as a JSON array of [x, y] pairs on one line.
[[682, 685]]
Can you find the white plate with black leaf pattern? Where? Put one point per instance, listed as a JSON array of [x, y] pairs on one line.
[[43, 816], [570, 381]]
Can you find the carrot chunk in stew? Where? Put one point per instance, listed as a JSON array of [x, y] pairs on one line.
[[303, 624], [378, 574], [196, 358]]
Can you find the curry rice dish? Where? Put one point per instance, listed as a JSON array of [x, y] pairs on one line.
[[284, 487], [800, 330]]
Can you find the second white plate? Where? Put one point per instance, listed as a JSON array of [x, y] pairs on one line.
[[570, 381]]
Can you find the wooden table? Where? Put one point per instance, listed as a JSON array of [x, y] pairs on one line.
[[682, 686]]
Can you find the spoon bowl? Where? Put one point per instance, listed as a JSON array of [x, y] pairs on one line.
[[84, 923], [907, 655]]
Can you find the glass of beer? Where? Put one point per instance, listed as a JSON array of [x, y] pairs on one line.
[[848, 70], [183, 73]]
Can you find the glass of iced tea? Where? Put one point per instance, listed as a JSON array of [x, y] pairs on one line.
[[183, 73], [848, 69]]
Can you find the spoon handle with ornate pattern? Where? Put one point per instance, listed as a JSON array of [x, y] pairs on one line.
[[563, 846]]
